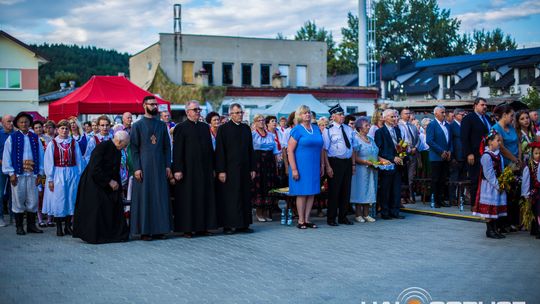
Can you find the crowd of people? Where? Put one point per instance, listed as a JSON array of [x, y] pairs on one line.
[[207, 173]]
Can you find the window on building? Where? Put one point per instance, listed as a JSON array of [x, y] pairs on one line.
[[448, 81], [209, 68], [246, 74], [265, 74], [225, 109], [284, 70], [488, 78], [351, 110], [227, 74], [187, 72], [526, 75], [301, 76], [10, 79]]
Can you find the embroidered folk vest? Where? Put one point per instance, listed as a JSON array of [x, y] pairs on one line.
[[17, 151], [64, 157]]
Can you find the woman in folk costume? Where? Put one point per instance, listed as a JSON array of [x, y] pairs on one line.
[[63, 168], [530, 186], [37, 126], [78, 134], [490, 199], [104, 127]]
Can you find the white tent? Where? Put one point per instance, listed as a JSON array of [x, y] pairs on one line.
[[291, 102]]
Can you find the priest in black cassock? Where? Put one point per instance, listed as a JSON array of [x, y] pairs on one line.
[[235, 167], [151, 157], [99, 211], [194, 205]]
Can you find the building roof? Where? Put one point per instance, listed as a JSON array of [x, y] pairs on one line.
[[467, 83], [488, 56], [347, 80], [505, 81], [40, 57], [495, 64], [529, 62], [55, 95]]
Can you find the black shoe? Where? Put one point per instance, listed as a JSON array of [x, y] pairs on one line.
[[444, 204], [159, 236], [386, 217], [59, 231], [19, 218], [399, 217], [245, 230], [67, 228], [31, 223], [332, 224], [228, 231], [346, 221], [490, 232], [437, 205], [146, 237]]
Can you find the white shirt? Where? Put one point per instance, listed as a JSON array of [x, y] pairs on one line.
[[7, 166], [443, 127]]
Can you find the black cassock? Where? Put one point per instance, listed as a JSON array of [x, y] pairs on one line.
[[194, 197], [234, 156], [99, 211]]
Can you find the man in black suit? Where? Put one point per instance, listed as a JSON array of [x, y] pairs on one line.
[[474, 127], [457, 168], [387, 139]]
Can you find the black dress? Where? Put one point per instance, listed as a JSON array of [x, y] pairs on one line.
[[234, 156], [99, 212], [194, 205]]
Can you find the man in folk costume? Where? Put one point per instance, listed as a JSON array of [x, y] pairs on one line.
[[23, 162], [151, 157], [5, 132], [104, 126], [63, 166]]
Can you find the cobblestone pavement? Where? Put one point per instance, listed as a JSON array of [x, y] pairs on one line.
[[450, 259]]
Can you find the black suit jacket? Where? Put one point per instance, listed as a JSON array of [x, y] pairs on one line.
[[472, 132], [383, 139]]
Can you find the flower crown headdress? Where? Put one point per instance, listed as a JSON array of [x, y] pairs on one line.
[[492, 133]]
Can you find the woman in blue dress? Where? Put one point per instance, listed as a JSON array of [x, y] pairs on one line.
[[305, 165], [364, 181]]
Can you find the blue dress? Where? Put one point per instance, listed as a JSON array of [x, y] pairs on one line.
[[308, 161], [510, 141], [364, 181]]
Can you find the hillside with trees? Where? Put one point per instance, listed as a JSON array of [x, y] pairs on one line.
[[78, 63]]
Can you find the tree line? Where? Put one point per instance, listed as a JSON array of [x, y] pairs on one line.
[[78, 63], [418, 29]]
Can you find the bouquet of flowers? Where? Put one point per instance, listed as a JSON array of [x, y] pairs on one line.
[[401, 148], [506, 179], [527, 215]]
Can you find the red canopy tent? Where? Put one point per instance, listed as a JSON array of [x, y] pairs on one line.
[[102, 95]]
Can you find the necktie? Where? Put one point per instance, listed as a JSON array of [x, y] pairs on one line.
[[345, 138], [411, 133], [485, 121]]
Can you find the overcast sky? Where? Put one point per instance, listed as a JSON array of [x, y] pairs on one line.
[[131, 26]]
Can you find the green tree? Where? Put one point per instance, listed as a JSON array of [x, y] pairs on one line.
[[486, 41], [418, 29], [532, 99], [310, 32], [347, 57], [280, 36]]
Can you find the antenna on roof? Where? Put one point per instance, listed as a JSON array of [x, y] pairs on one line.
[[177, 24]]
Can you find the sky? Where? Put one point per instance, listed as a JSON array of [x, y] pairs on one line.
[[130, 26]]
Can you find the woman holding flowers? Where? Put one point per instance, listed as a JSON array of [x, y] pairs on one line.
[[364, 181]]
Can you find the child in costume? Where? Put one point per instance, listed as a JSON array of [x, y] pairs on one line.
[[490, 199], [530, 186]]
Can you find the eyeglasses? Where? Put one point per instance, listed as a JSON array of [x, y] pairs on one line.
[[104, 125], [235, 113], [195, 109], [152, 104]]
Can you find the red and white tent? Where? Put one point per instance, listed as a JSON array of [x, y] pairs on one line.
[[102, 95]]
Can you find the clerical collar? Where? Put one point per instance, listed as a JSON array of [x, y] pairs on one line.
[[194, 122], [236, 123]]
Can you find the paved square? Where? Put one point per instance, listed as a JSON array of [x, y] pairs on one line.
[[450, 259]]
